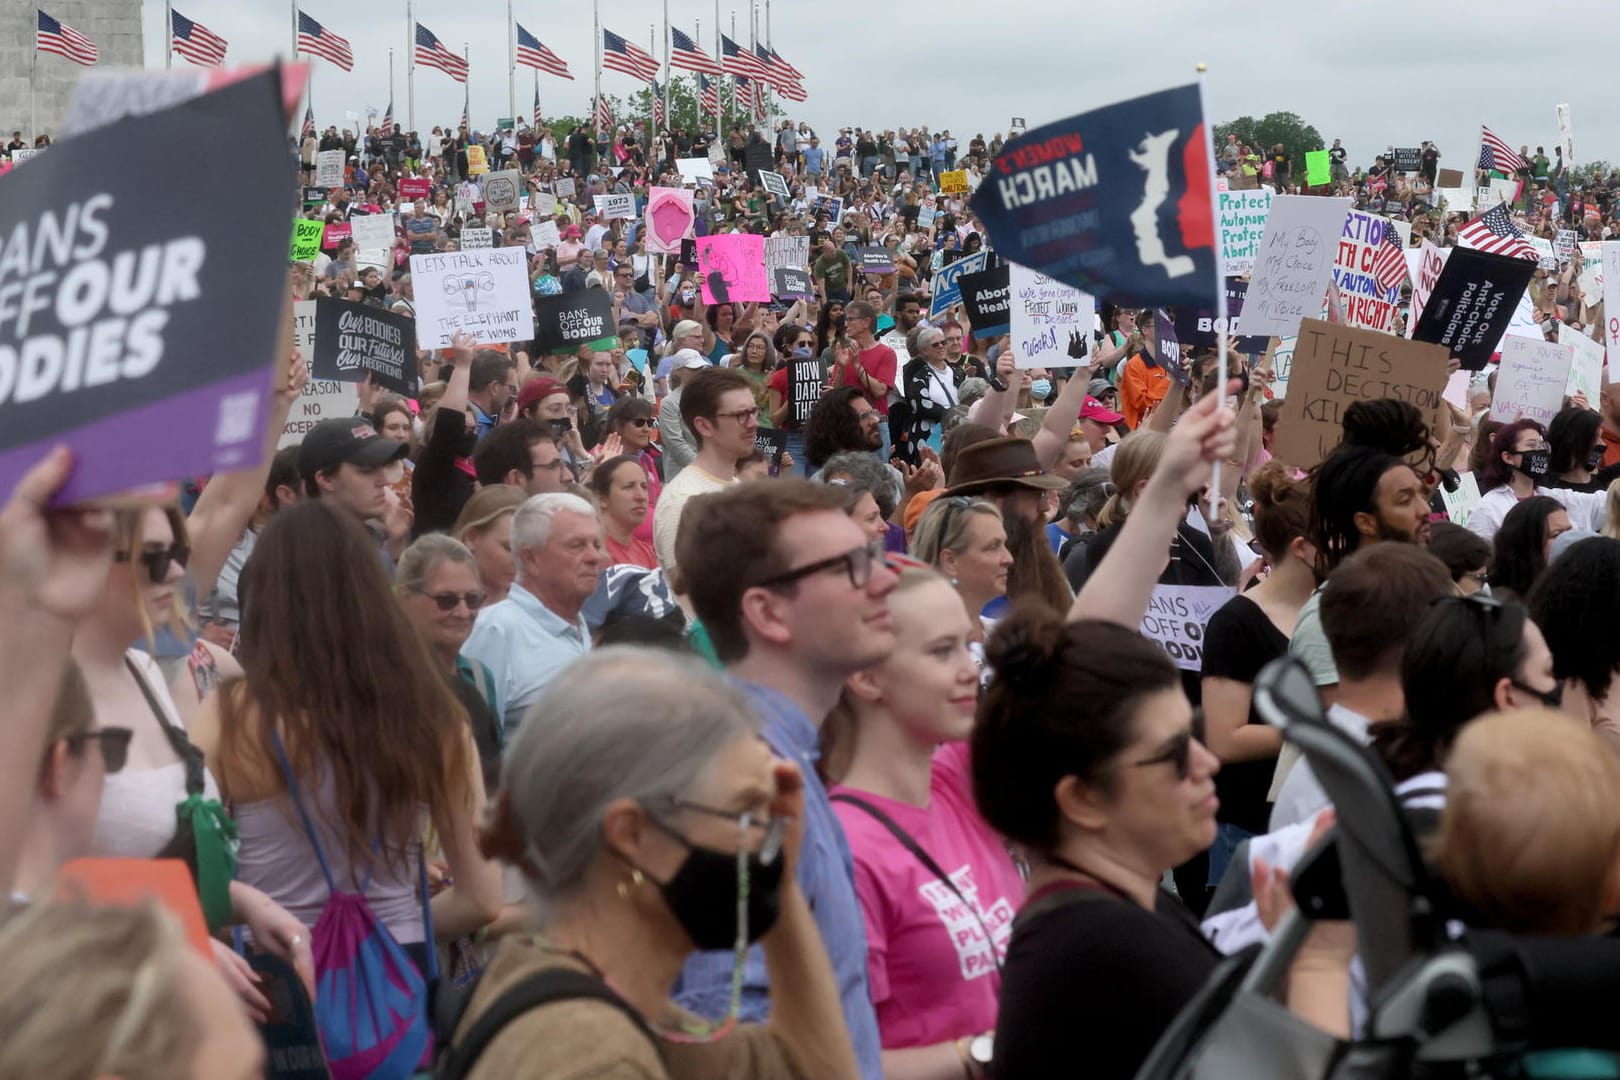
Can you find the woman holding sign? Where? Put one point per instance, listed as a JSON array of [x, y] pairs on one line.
[[1520, 460]]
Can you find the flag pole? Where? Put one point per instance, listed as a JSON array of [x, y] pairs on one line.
[[652, 88], [33, 81], [410, 62], [168, 35], [669, 70], [718, 89], [596, 38], [295, 34], [390, 87], [511, 66], [466, 87], [1225, 332]]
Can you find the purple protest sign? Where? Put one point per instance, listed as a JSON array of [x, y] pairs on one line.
[[134, 324]]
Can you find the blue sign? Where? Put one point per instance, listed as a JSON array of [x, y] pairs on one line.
[[948, 284], [1115, 202]]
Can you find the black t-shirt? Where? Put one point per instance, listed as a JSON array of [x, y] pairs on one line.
[[1089, 986], [1238, 641]]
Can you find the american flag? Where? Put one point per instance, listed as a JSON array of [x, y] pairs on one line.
[[309, 123], [620, 55], [739, 60], [1496, 155], [786, 68], [196, 42], [658, 104], [1389, 264], [317, 39], [786, 81], [537, 104], [1492, 231], [687, 54], [752, 94], [466, 109], [63, 40], [388, 118], [532, 53], [708, 96], [604, 115], [431, 52]]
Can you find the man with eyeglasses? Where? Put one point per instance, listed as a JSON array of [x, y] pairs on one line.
[[872, 370], [633, 306], [525, 454], [791, 613], [719, 411]]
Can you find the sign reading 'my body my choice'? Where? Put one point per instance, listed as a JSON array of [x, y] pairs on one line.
[[132, 301]]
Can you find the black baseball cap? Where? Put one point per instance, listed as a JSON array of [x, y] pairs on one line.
[[345, 439]]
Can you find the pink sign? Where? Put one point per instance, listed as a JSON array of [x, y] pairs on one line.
[[336, 231], [669, 219], [735, 263], [415, 188]]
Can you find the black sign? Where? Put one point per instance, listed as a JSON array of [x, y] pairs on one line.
[[773, 444], [355, 340], [757, 159], [791, 284], [876, 260], [314, 196], [688, 255], [1201, 329], [987, 299], [806, 377], [564, 322], [1407, 158], [1472, 303], [292, 1039]]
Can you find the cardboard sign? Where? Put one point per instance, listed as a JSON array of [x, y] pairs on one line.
[[987, 300], [476, 236], [501, 191], [806, 377], [129, 882], [875, 259], [335, 232], [616, 206], [566, 321], [353, 341], [1472, 304], [1240, 224], [563, 188], [787, 252], [733, 265], [1449, 178], [697, 171], [415, 188], [1294, 266], [322, 399], [306, 239], [1531, 379], [954, 182], [484, 292], [1367, 303], [1333, 366], [144, 307], [1177, 616], [477, 163], [947, 283], [670, 219], [329, 169], [773, 183], [791, 283], [1046, 315], [1408, 158], [1202, 328], [1586, 369], [1318, 169], [372, 231], [1425, 271]]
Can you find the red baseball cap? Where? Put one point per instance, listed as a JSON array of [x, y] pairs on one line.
[[1096, 410]]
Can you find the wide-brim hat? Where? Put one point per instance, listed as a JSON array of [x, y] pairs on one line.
[[997, 463]]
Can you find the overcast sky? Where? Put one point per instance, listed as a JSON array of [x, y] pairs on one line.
[[1372, 74]]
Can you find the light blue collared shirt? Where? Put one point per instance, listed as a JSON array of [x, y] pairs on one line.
[[826, 874], [526, 645]]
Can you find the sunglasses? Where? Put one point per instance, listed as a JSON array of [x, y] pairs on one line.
[[641, 421], [447, 601], [1178, 753], [157, 562], [114, 743]]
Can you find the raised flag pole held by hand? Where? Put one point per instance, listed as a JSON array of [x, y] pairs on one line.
[[1220, 281]]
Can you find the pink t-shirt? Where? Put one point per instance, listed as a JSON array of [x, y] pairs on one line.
[[932, 975]]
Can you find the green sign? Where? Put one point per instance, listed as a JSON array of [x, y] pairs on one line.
[[1316, 168], [505, 123], [306, 239]]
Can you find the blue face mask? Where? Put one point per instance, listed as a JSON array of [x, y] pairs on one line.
[[1040, 389]]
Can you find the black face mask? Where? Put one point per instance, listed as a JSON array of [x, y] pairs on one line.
[[703, 895], [1594, 458], [1535, 464]]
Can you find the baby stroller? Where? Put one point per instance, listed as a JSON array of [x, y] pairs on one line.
[[1437, 1005]]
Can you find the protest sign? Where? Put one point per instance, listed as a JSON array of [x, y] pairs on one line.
[[1166, 343], [696, 170], [113, 881], [1546, 258], [484, 292], [1449, 178], [1202, 328], [1458, 503], [806, 377], [1294, 266], [1280, 355], [142, 321], [501, 191], [772, 442], [335, 231], [329, 169], [954, 182], [1591, 276], [1240, 225], [670, 219], [947, 284], [875, 259], [476, 236], [926, 216], [1499, 191], [616, 206], [1368, 303], [415, 188], [567, 320], [1564, 243], [987, 299], [306, 239], [1318, 170], [543, 203], [1586, 369], [831, 205], [790, 283], [757, 159], [1523, 321], [1566, 133], [1408, 158], [545, 234], [1471, 303], [321, 399], [563, 188], [1425, 274], [787, 252], [1334, 365], [772, 182], [1531, 379], [1176, 617], [477, 163], [1610, 258], [717, 155], [688, 257], [735, 263], [1457, 200], [1046, 316], [353, 341], [314, 196], [23, 154], [372, 230]]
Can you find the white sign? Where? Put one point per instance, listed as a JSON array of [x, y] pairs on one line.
[[501, 191], [563, 188], [1523, 322], [1045, 314], [544, 234], [329, 169], [1611, 295], [372, 231], [1295, 262], [1241, 219], [377, 258], [1455, 200], [484, 292], [1566, 133], [717, 156], [543, 203], [1500, 191], [22, 155], [476, 236], [1176, 618], [695, 170], [1460, 502], [1282, 365], [1430, 261], [787, 253], [322, 399], [1586, 370], [1546, 258], [1530, 383], [616, 206], [1591, 278]]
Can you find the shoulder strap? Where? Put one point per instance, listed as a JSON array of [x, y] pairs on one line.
[[543, 988], [921, 856], [303, 814], [184, 748]]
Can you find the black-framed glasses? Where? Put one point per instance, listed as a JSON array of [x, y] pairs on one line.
[[550, 466], [1178, 753], [774, 827], [1553, 699], [447, 601], [114, 743], [742, 416], [857, 562], [157, 562]]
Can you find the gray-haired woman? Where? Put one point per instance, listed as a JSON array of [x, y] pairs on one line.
[[641, 811]]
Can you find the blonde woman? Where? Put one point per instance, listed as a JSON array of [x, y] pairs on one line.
[[1611, 520], [964, 539], [485, 527]]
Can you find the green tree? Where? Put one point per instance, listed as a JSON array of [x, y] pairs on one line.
[[1287, 128], [1588, 171]]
